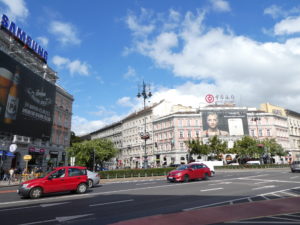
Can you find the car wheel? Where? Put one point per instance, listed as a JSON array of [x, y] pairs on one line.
[[90, 183], [81, 188], [293, 171], [35, 192], [205, 176], [186, 178]]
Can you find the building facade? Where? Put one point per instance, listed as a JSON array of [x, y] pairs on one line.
[[35, 114]]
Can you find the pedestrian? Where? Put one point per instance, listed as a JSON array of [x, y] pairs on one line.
[[11, 173]]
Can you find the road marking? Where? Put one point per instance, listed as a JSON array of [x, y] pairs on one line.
[[146, 183], [59, 219], [27, 207], [249, 199], [261, 182], [52, 204], [288, 193], [264, 187], [221, 183], [109, 203], [212, 189], [294, 177], [278, 181]]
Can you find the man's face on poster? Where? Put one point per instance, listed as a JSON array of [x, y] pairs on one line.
[[212, 121]]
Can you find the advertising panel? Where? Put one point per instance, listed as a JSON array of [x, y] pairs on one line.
[[227, 122], [26, 100]]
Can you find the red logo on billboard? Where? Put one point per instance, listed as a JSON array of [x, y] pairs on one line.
[[209, 98]]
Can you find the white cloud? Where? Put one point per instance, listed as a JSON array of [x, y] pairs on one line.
[[82, 126], [220, 5], [223, 62], [130, 73], [74, 67], [288, 26], [66, 33], [16, 10], [43, 40], [274, 11], [126, 101]]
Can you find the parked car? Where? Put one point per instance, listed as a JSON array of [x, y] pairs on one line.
[[61, 179], [295, 166], [93, 178], [192, 171]]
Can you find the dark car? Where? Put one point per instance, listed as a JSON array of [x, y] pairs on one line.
[[192, 171], [61, 179], [295, 166]]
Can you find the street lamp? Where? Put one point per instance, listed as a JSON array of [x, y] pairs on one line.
[[145, 135], [256, 119]]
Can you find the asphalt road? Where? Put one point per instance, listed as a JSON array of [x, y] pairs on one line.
[[114, 202]]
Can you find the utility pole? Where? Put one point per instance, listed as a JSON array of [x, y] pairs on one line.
[[145, 135]]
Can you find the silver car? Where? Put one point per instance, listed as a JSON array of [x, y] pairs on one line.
[[295, 166], [93, 178]]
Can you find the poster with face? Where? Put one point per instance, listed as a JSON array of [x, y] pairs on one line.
[[224, 122]]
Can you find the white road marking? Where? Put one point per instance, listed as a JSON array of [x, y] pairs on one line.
[[53, 204], [265, 197], [294, 177], [146, 183], [249, 199], [109, 203], [288, 193], [59, 219], [212, 189], [264, 187], [27, 207]]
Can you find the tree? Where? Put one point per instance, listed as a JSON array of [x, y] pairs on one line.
[[273, 148], [74, 138], [217, 146], [103, 149], [247, 147], [197, 147]]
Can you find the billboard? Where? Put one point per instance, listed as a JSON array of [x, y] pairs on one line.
[[26, 100], [227, 122]]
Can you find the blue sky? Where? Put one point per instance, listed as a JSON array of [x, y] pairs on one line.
[[186, 49]]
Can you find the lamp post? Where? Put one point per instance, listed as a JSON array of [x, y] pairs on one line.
[[145, 135], [256, 119]]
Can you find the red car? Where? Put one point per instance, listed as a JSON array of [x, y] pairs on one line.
[[189, 172], [61, 179]]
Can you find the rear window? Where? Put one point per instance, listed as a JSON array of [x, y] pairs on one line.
[[76, 172]]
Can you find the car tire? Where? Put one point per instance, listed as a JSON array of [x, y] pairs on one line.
[[205, 176], [293, 171], [90, 183], [35, 192], [82, 188], [186, 178]]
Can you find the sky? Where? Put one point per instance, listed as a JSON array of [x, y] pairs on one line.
[[102, 51]]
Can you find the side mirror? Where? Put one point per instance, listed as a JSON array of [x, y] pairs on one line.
[[49, 178]]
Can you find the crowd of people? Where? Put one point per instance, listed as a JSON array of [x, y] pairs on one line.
[[15, 174]]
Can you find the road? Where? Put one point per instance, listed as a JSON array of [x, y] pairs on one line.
[[120, 201]]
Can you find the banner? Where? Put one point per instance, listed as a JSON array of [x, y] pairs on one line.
[[26, 100], [227, 122]]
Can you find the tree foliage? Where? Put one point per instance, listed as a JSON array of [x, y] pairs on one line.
[[103, 149]]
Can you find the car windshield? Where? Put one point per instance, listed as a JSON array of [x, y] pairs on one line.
[[183, 167]]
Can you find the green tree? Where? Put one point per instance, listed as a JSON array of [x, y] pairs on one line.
[[74, 138], [217, 147], [247, 147], [103, 149], [273, 148], [197, 147]]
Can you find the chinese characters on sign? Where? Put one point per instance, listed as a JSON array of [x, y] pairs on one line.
[[220, 99]]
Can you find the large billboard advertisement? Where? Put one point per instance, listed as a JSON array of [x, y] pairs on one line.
[[224, 122], [26, 100]]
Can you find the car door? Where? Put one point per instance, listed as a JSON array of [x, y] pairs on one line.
[[55, 182], [200, 170], [193, 171], [74, 178]]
